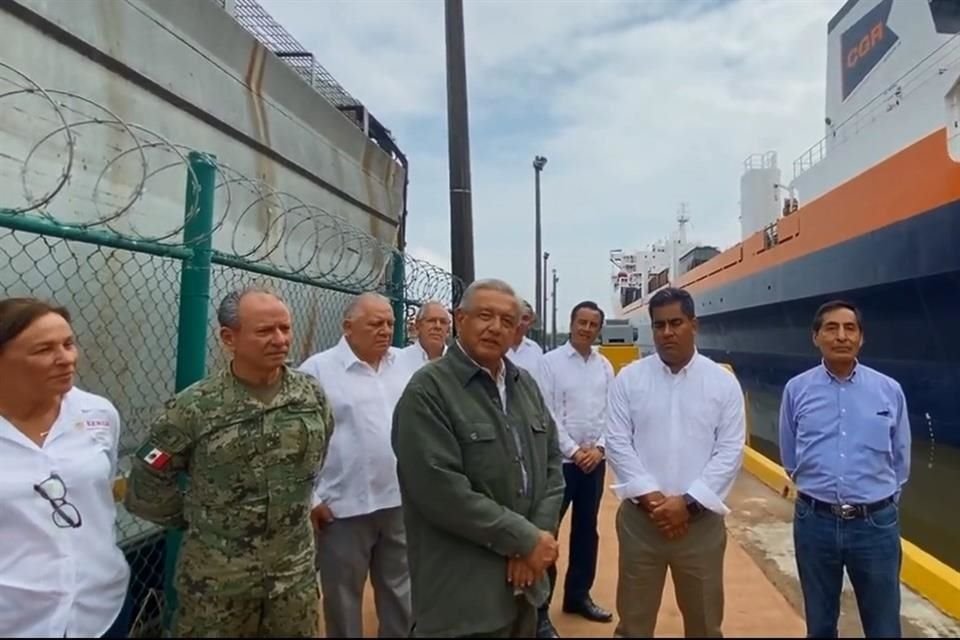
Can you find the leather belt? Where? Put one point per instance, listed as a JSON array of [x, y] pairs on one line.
[[845, 511]]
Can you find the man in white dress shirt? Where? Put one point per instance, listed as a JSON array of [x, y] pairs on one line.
[[576, 382], [524, 352], [675, 440], [356, 503], [432, 327]]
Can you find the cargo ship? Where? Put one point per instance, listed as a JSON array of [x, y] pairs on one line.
[[871, 214]]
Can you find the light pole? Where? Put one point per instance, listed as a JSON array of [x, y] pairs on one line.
[[458, 140], [539, 162], [543, 318], [553, 301]]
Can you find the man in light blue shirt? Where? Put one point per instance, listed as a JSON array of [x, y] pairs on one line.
[[845, 442]]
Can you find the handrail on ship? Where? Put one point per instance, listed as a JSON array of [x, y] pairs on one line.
[[901, 87]]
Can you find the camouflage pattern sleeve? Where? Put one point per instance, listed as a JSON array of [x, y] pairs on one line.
[[152, 490]]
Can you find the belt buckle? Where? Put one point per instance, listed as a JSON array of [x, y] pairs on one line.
[[847, 511]]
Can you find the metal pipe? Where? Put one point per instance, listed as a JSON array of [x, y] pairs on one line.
[[458, 138], [539, 162], [192, 321], [542, 318], [32, 223], [553, 295]]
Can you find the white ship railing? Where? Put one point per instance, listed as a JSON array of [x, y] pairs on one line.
[[810, 157], [934, 65]]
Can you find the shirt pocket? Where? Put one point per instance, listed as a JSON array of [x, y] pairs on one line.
[[539, 428], [481, 448], [295, 439], [876, 431]]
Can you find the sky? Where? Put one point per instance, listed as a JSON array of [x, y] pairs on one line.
[[638, 106]]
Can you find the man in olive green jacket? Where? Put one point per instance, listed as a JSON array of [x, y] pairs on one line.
[[480, 478]]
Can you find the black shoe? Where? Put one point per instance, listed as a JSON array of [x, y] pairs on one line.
[[545, 628], [588, 609]]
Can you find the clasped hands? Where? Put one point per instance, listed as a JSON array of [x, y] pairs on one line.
[[588, 459], [669, 513], [523, 572]]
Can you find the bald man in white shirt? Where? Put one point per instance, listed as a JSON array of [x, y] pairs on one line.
[[674, 439], [356, 503]]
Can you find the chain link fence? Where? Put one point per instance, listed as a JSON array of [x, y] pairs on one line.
[[129, 230]]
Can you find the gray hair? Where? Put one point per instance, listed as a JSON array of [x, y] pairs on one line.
[[351, 311], [489, 284], [423, 309], [526, 308], [228, 313]]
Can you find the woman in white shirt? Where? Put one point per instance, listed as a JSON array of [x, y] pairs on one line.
[[61, 571]]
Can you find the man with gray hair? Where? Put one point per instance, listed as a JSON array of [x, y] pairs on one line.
[[480, 476], [356, 502], [432, 328], [250, 439], [524, 352]]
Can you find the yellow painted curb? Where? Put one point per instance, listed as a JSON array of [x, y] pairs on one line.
[[934, 580], [931, 578], [768, 472]]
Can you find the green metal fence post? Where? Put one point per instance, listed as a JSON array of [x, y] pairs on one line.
[[399, 294], [194, 309]]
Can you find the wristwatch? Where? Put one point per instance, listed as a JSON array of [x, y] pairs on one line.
[[693, 507]]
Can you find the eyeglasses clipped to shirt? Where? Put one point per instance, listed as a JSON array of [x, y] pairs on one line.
[[53, 490]]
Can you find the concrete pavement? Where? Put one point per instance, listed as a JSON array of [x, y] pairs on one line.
[[762, 592]]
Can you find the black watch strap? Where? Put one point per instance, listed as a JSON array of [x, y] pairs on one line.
[[693, 507]]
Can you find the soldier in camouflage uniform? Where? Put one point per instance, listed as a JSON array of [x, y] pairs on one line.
[[249, 439]]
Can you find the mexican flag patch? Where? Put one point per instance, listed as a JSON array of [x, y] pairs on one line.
[[155, 458]]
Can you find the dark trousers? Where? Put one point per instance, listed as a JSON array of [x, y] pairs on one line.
[[524, 624], [869, 548], [584, 491], [121, 625]]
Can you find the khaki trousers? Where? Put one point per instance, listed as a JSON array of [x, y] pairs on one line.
[[696, 566]]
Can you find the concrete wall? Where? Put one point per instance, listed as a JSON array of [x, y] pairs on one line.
[[187, 71]]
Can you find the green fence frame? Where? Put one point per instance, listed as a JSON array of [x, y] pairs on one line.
[[197, 258]]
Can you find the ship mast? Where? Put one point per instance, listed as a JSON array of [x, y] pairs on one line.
[[682, 220], [679, 241]]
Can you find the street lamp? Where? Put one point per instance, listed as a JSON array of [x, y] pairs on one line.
[[539, 162], [543, 320], [553, 302]]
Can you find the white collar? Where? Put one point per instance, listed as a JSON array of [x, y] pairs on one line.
[[686, 368], [348, 358], [571, 352], [423, 352]]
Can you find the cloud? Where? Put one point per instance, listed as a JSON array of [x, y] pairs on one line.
[[436, 258], [638, 106]]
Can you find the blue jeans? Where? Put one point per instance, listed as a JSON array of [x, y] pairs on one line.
[[869, 548]]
